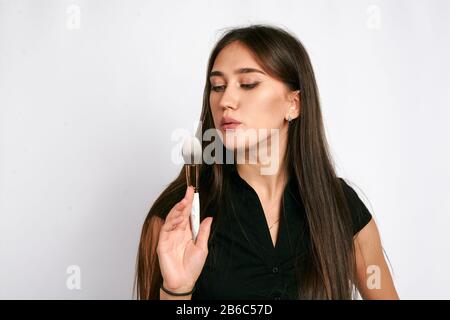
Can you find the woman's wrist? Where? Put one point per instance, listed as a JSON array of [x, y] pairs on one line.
[[184, 292], [165, 296]]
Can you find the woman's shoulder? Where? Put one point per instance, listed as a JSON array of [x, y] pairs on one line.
[[361, 216]]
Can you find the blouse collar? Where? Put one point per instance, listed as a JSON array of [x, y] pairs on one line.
[[290, 187]]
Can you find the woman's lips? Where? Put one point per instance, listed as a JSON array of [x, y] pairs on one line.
[[229, 123], [228, 126]]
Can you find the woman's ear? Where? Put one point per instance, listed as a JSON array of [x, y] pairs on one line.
[[294, 106]]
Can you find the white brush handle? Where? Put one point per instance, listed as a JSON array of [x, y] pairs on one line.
[[195, 216]]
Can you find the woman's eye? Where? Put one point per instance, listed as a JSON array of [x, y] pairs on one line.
[[217, 88], [249, 85], [246, 86]]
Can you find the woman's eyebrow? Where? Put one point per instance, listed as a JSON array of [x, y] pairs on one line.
[[217, 73]]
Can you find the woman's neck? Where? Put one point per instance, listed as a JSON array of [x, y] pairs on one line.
[[269, 186]]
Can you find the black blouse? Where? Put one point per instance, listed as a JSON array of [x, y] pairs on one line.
[[243, 263]]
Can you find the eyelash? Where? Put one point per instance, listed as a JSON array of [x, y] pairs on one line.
[[246, 86]]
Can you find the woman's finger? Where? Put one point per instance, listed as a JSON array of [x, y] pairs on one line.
[[170, 218], [203, 233], [186, 215], [188, 208], [175, 215], [172, 221], [189, 196], [183, 218], [176, 210]]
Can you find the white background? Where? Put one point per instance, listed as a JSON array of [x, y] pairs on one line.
[[87, 115]]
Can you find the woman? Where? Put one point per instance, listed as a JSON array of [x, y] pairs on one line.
[[297, 233]]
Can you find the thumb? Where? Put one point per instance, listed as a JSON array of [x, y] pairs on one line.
[[203, 233]]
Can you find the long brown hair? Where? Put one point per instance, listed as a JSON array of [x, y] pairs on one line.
[[329, 272]]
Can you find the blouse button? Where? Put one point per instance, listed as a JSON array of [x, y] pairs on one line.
[[275, 270]]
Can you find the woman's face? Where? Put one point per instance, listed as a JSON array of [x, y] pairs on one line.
[[241, 90]]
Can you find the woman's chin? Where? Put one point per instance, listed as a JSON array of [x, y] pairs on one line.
[[238, 140], [238, 147]]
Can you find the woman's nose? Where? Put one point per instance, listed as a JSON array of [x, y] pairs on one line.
[[229, 99]]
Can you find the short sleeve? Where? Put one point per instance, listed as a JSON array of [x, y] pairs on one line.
[[359, 212]]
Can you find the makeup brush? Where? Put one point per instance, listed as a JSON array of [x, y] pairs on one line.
[[192, 155]]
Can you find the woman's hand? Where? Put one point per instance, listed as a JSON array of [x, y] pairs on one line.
[[181, 260]]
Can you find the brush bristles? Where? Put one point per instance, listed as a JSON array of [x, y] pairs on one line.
[[192, 151]]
